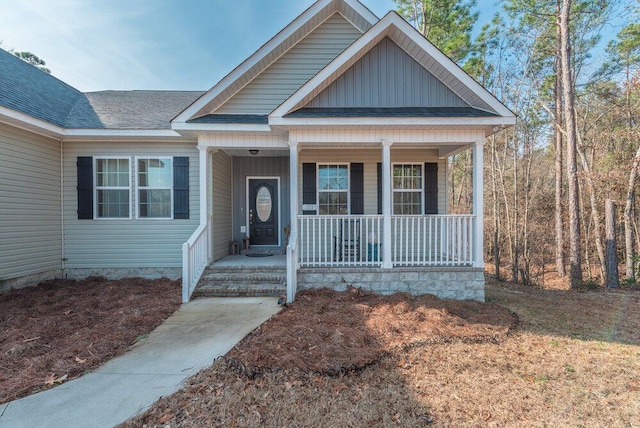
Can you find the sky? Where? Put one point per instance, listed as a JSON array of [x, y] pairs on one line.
[[152, 44]]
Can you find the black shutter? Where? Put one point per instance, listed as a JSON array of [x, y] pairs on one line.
[[379, 188], [356, 186], [430, 188], [85, 188], [181, 188], [309, 186]]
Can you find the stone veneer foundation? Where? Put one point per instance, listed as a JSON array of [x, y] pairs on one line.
[[444, 283]]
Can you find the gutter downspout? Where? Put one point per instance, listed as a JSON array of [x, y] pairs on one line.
[[62, 249]]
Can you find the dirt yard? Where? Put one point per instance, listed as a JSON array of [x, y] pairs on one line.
[[61, 329], [352, 359], [566, 358]]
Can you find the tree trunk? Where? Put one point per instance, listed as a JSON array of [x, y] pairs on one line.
[[575, 273], [628, 217], [612, 258], [558, 161], [595, 214], [496, 213]]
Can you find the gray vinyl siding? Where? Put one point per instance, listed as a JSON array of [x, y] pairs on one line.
[[279, 81], [244, 167], [370, 158], [30, 226], [387, 77], [221, 201], [143, 243]]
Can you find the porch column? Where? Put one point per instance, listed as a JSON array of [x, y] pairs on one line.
[[292, 259], [203, 152], [478, 204], [386, 205]]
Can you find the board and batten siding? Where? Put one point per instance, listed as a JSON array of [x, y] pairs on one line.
[[221, 204], [244, 167], [370, 159], [285, 76], [30, 226], [126, 243], [387, 76]]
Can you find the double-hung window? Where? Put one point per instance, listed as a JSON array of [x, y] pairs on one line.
[[154, 187], [333, 189], [407, 189], [113, 188]]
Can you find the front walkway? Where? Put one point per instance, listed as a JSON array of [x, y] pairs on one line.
[[185, 343]]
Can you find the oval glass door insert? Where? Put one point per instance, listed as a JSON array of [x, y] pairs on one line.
[[264, 204]]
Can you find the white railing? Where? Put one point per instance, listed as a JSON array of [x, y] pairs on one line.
[[292, 267], [195, 257], [339, 240], [432, 240], [356, 240]]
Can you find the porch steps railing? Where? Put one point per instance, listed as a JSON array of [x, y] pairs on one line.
[[242, 281], [195, 257]]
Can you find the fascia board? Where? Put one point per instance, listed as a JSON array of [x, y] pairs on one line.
[[392, 121], [181, 126], [29, 123]]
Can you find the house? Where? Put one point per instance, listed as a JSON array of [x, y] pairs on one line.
[[329, 143]]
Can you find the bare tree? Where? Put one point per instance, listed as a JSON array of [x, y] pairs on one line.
[[575, 273]]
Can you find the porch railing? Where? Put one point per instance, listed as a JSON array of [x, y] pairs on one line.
[[292, 267], [339, 240], [432, 240], [356, 240], [195, 257]]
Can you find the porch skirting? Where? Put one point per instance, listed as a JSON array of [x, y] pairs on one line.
[[461, 283]]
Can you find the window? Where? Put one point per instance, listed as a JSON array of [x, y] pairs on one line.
[[154, 187], [113, 188], [407, 189], [333, 189]]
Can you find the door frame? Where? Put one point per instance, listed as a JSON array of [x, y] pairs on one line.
[[263, 177]]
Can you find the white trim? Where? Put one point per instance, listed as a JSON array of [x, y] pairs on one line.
[[478, 204], [364, 44], [29, 123], [137, 187], [387, 207], [95, 189], [248, 228], [258, 56], [219, 127], [348, 191]]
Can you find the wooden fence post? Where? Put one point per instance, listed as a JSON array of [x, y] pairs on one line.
[[610, 233]]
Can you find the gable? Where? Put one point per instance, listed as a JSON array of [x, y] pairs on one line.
[[293, 69], [386, 77]]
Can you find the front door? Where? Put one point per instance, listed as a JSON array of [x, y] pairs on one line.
[[263, 211]]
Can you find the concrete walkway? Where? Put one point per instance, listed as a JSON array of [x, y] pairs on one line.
[[185, 343]]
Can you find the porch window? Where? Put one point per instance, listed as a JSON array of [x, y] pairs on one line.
[[154, 184], [113, 188], [333, 189], [407, 189]]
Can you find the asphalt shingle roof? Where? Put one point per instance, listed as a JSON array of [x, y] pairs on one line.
[[391, 112], [232, 118], [31, 91], [129, 109], [26, 89]]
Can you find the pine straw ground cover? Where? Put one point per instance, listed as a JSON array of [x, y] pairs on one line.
[[573, 360], [61, 329]]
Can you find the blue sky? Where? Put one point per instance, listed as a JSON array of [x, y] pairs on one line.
[[152, 44]]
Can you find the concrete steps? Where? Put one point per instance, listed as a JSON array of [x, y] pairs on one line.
[[242, 281]]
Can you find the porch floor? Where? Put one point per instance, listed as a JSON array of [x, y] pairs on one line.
[[242, 260]]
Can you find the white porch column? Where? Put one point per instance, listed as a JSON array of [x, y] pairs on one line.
[[292, 259], [203, 163], [478, 204], [386, 205]]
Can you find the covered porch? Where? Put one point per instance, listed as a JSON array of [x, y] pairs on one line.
[[371, 235]]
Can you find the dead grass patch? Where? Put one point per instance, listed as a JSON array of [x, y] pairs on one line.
[[61, 329], [574, 361]]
